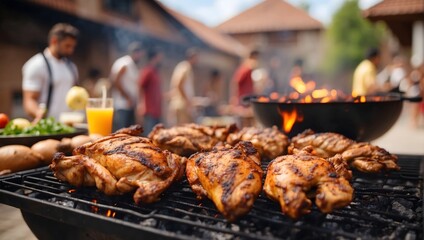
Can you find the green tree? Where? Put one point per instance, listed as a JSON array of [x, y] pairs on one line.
[[349, 36]]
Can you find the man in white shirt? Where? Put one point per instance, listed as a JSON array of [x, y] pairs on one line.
[[48, 76], [124, 76], [182, 89]]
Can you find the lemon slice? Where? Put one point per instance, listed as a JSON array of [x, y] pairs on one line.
[[77, 98]]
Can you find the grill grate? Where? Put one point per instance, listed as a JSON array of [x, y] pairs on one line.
[[385, 206]]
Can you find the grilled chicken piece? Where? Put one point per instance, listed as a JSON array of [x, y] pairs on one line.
[[121, 163], [362, 156], [290, 178], [189, 138], [230, 177], [269, 142], [340, 165]]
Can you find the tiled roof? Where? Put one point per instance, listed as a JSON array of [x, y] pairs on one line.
[[209, 35], [395, 7], [270, 15], [66, 6], [69, 7]]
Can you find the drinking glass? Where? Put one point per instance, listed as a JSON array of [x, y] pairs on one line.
[[99, 115]]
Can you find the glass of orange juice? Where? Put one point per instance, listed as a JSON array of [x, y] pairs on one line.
[[99, 115]]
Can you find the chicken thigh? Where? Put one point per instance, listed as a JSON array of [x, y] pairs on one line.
[[121, 163], [290, 178], [362, 156], [269, 142], [190, 138], [230, 177]]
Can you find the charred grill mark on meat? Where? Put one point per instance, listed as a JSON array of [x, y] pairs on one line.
[[230, 177], [269, 142], [291, 178], [362, 156], [187, 139], [121, 163]]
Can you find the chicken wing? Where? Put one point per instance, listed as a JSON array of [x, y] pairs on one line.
[[269, 142], [290, 177], [362, 156], [121, 163], [230, 177], [189, 138]]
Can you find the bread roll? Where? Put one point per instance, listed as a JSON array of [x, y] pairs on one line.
[[65, 146], [18, 157], [80, 140], [46, 148]]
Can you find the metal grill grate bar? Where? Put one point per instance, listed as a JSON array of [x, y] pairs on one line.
[[180, 212]]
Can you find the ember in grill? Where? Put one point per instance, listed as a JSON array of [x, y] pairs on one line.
[[385, 206], [361, 118]]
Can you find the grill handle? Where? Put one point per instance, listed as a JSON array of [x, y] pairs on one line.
[[411, 99], [247, 99]]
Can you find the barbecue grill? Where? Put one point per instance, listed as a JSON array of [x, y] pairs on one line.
[[385, 206]]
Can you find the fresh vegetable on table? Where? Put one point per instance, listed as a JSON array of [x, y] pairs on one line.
[[4, 119], [45, 126]]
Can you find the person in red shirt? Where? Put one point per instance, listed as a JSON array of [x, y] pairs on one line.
[[243, 77], [150, 103]]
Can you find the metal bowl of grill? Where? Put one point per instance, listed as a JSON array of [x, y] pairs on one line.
[[361, 119]]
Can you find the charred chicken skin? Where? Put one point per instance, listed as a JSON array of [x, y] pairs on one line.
[[190, 138], [121, 163], [230, 177], [269, 142], [362, 156], [290, 178]]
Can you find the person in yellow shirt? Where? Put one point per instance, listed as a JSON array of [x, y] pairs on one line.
[[365, 75]]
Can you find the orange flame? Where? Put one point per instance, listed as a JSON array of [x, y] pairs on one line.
[[110, 213], [320, 93], [325, 100], [263, 99], [298, 84], [361, 99], [308, 99], [72, 190], [310, 86], [333, 93], [274, 96], [94, 208], [294, 95], [289, 118]]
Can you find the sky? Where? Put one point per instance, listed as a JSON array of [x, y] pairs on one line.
[[214, 12]]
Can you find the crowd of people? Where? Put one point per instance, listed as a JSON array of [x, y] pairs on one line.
[[396, 77], [137, 92]]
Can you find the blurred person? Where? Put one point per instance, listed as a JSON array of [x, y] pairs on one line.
[[212, 91], [182, 89], [365, 75], [242, 79], [392, 76], [414, 88], [150, 102], [260, 80], [273, 76], [48, 76], [90, 82], [297, 69], [421, 104], [102, 83], [397, 74], [124, 77]]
